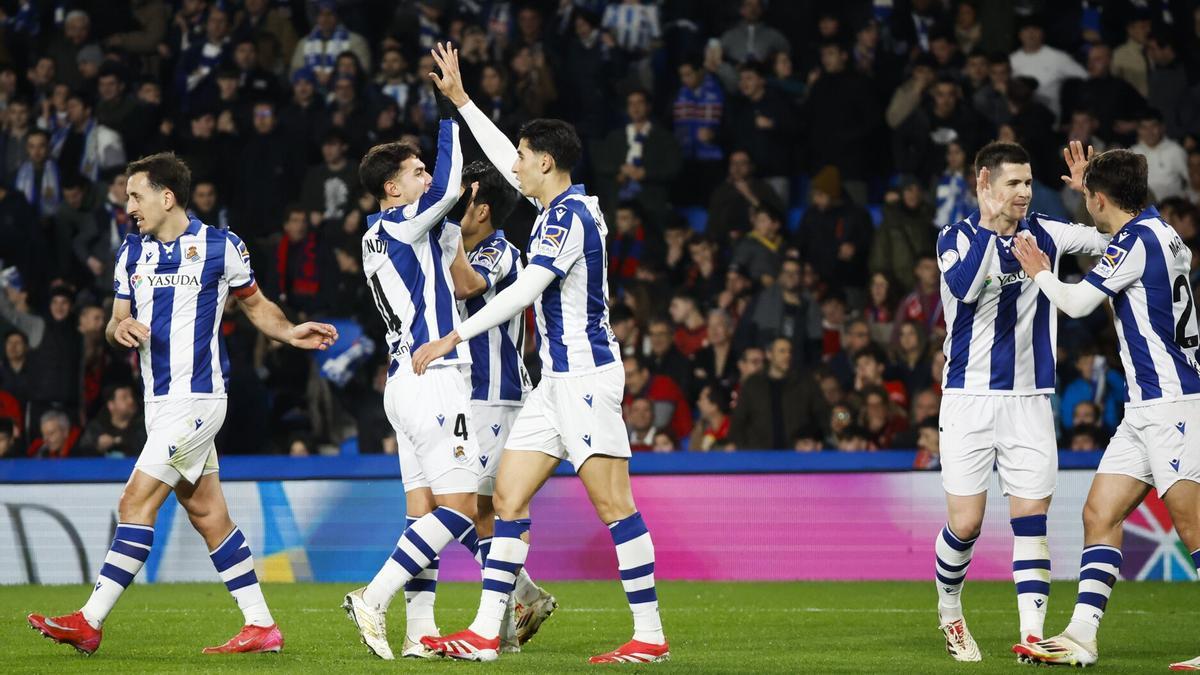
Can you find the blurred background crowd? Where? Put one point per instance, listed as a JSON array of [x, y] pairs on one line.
[[773, 175]]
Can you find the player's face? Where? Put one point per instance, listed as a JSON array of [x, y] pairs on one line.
[[1012, 184], [530, 168], [147, 206], [412, 180]]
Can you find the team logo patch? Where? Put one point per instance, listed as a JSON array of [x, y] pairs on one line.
[[1182, 427], [489, 257], [948, 259], [149, 254], [496, 431], [199, 422], [1110, 261], [553, 238], [587, 398], [243, 251], [171, 450], [460, 454], [441, 420], [483, 460], [587, 438], [116, 285], [191, 254]]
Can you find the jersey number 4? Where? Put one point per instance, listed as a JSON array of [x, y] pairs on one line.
[[1182, 291], [460, 426]]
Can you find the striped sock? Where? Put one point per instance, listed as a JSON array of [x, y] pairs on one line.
[[1196, 560], [416, 549], [525, 591], [419, 596], [128, 552], [1031, 572], [635, 558], [953, 557], [235, 565], [481, 552], [1098, 570], [499, 573]]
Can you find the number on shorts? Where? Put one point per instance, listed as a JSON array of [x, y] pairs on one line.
[[460, 426]]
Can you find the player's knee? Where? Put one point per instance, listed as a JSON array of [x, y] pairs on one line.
[[508, 508], [134, 508], [1098, 520], [965, 526]]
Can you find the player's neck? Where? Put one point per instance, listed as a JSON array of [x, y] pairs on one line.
[[555, 185], [173, 227], [1005, 226], [392, 202], [1114, 223], [484, 231]]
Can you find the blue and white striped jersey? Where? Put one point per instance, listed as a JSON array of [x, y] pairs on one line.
[[407, 252], [1001, 332], [498, 375], [178, 289], [568, 238], [1145, 272]]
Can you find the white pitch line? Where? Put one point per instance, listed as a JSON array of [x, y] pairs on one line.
[[687, 610]]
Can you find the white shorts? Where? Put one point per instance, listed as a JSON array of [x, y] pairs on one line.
[[431, 414], [573, 418], [180, 435], [1157, 444], [1013, 433], [492, 425]]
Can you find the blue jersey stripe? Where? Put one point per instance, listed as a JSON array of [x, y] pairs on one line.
[[160, 323], [1004, 341], [206, 310], [1160, 306], [135, 252], [480, 361], [1043, 346], [960, 346], [441, 167], [404, 261], [510, 354], [1139, 352], [596, 262], [552, 315], [442, 298]]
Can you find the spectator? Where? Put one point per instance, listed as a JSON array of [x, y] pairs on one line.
[[1129, 60], [589, 66], [638, 162], [671, 409], [773, 406], [1086, 439], [118, 430], [870, 368], [205, 206], [762, 121], [880, 310], [881, 418], [12, 139], [663, 442], [152, 17], [8, 439], [1049, 66], [1086, 414], [633, 248], [704, 276], [83, 143], [697, 114], [715, 364], [833, 324], [691, 328], [751, 39], [781, 311], [100, 235], [855, 438], [58, 359], [666, 360], [349, 113], [968, 31], [991, 100], [639, 419], [750, 363], [15, 309], [254, 81], [298, 263], [920, 143], [64, 50], [929, 454], [318, 51], [202, 58], [16, 376], [1166, 160], [328, 186], [908, 96], [911, 363], [58, 437], [905, 236], [533, 82], [841, 116], [758, 252], [841, 417], [712, 427], [926, 405], [924, 303], [1093, 381], [1111, 99], [272, 31], [954, 190], [731, 203], [305, 118], [495, 101], [835, 235], [265, 175], [38, 177]]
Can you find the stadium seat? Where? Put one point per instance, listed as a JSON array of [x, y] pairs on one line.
[[696, 217], [794, 216]]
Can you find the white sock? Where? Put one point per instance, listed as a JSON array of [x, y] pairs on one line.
[[635, 558], [1098, 570], [499, 574], [953, 557], [420, 594], [235, 565], [416, 549], [130, 547], [1031, 573], [525, 591]]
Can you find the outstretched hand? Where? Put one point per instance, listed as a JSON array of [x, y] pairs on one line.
[[313, 335], [1032, 259], [1076, 164], [449, 82]]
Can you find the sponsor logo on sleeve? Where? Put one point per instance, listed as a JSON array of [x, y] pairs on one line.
[[553, 238], [489, 257], [1110, 261]]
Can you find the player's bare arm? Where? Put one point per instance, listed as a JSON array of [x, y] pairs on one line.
[[468, 282], [123, 330], [270, 320]]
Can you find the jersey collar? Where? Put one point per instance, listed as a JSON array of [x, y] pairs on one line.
[[494, 236], [1148, 212]]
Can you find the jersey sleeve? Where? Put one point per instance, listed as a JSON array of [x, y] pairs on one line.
[[561, 242], [121, 273], [493, 262], [1073, 238], [1122, 264], [237, 267], [963, 257]]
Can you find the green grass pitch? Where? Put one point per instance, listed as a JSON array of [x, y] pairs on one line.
[[713, 627]]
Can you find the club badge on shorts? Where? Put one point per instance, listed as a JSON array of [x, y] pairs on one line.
[[460, 454]]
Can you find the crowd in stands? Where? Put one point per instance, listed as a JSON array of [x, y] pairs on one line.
[[773, 174]]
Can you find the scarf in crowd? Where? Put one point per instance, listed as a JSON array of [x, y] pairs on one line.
[[320, 53], [954, 201], [625, 253], [637, 146], [305, 283], [46, 200], [695, 110], [210, 58], [87, 169], [398, 92]]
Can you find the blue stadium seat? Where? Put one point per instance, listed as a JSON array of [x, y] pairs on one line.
[[349, 446], [876, 211], [696, 217], [794, 215]]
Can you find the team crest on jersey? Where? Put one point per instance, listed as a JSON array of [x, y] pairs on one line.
[[948, 259], [136, 280], [553, 238], [488, 256], [192, 254], [1110, 261], [243, 251]]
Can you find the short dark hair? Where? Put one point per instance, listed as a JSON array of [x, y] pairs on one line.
[[165, 171], [996, 153], [720, 396], [38, 132], [110, 391], [381, 163], [1150, 114], [873, 351], [1122, 176], [493, 190], [556, 138]]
